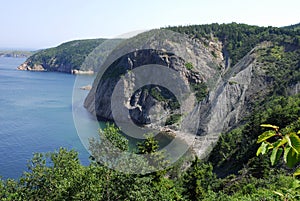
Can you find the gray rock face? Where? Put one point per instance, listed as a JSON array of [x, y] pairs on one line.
[[232, 90], [146, 102], [164, 48], [227, 103]]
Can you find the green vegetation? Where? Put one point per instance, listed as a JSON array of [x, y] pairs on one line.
[[60, 176], [232, 82], [164, 95], [189, 65], [294, 27], [237, 148], [286, 143], [281, 65], [239, 39], [156, 93], [214, 54], [173, 119], [200, 90], [71, 54], [115, 72]]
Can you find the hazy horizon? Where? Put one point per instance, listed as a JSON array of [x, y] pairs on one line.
[[34, 24]]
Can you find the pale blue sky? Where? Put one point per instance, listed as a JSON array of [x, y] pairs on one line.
[[41, 24]]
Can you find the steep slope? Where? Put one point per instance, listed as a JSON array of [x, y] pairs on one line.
[[249, 92], [240, 70], [197, 67], [272, 98]]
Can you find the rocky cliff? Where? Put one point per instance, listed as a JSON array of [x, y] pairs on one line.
[[232, 91], [153, 105]]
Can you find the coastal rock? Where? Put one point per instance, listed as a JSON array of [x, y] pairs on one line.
[[87, 87], [35, 67], [81, 72]]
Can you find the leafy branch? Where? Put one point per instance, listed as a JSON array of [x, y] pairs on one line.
[[287, 144]]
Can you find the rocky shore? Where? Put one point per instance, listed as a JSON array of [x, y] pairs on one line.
[[26, 67]]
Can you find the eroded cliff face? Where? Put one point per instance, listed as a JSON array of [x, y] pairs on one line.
[[232, 91], [233, 98], [189, 57], [147, 102]]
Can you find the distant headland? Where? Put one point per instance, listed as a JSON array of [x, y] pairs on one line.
[[16, 53]]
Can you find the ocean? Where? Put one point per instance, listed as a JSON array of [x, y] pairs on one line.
[[43, 111], [36, 115]]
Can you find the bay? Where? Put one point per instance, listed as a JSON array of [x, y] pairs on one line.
[[36, 115], [43, 111]]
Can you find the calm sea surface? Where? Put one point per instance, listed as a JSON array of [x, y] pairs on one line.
[[41, 112], [36, 115]]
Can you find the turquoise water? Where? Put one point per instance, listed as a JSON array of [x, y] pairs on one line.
[[36, 115]]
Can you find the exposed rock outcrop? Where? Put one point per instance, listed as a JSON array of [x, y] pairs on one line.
[[230, 101], [35, 67], [81, 72], [87, 87], [193, 61], [143, 100], [233, 91]]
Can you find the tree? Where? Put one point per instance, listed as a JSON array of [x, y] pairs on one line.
[[120, 184], [197, 180], [109, 149]]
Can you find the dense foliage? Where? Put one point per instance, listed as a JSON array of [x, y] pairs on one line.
[[239, 39], [70, 54], [60, 176], [293, 27], [237, 148], [281, 64]]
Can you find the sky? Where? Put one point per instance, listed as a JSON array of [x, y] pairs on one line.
[[37, 24]]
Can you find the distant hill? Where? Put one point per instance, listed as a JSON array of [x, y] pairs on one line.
[[293, 27], [67, 57], [16, 53]]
